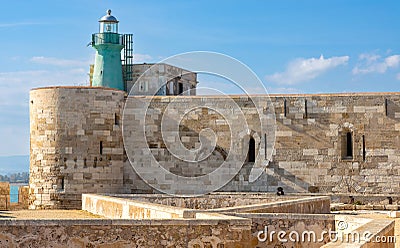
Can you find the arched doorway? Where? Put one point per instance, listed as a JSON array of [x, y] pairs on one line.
[[251, 154]]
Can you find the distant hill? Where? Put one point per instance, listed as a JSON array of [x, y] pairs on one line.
[[14, 164]]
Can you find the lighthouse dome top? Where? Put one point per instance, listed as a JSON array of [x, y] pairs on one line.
[[108, 18]]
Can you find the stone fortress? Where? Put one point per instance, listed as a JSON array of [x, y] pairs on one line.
[[340, 148], [325, 143]]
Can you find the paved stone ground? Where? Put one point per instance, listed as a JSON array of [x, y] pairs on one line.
[[48, 214]]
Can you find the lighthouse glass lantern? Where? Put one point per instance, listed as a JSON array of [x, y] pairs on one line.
[[108, 23]]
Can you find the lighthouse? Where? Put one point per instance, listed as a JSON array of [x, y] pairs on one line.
[[108, 43]]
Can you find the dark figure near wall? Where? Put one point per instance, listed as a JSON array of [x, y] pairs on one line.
[[280, 191]]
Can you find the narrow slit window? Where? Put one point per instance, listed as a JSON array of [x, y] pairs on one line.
[[305, 108], [101, 147], [61, 183], [363, 145], [251, 155], [180, 88], [116, 119], [169, 88], [265, 149], [349, 145], [386, 107], [284, 107]]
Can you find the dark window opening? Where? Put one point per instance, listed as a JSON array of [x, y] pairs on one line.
[[386, 107], [349, 152], [167, 89], [180, 88], [305, 109], [284, 107], [101, 147], [265, 149], [251, 154], [347, 146], [363, 144], [61, 182], [116, 119]]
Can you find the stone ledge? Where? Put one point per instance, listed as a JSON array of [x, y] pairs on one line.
[[291, 216], [126, 222], [341, 207], [248, 208]]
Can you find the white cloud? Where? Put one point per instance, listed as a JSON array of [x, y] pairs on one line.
[[59, 62], [392, 61], [301, 69], [141, 58], [372, 63]]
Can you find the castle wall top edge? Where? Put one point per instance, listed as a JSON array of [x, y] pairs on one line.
[[231, 95], [75, 87], [280, 95]]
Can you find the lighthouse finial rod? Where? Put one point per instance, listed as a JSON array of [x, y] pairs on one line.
[[109, 11]]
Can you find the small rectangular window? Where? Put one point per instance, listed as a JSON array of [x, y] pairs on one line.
[[116, 119], [251, 153], [349, 151], [101, 147], [61, 183], [180, 88], [347, 145]]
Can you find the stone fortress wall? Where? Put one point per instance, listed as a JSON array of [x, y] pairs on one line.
[[76, 144], [326, 143], [314, 135], [318, 132]]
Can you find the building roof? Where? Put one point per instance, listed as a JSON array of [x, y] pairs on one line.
[[108, 18]]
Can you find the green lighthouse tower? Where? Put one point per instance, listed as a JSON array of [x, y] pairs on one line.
[[108, 44]]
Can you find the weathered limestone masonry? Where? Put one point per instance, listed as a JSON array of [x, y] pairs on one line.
[[23, 197], [337, 143], [76, 144], [330, 143], [154, 80], [299, 214], [105, 233], [210, 115], [5, 196]]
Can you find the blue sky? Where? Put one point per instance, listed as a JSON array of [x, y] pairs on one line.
[[293, 46]]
